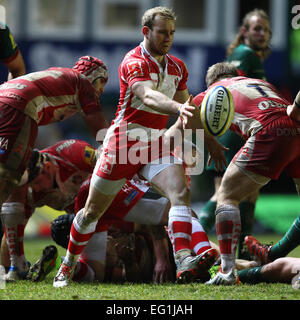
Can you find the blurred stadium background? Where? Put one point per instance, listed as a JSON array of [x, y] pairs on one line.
[[57, 32]]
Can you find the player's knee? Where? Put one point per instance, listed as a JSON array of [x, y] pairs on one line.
[[93, 212], [225, 196], [279, 263], [222, 197], [96, 206], [13, 213], [6, 188], [180, 196]]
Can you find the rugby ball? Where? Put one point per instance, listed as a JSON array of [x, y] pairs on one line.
[[217, 110]]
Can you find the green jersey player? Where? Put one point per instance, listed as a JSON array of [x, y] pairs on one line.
[[10, 54]]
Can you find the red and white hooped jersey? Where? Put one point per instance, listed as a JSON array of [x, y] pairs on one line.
[[132, 114], [257, 103], [125, 200], [51, 95], [74, 160]]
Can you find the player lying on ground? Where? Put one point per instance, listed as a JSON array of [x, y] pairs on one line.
[[276, 266], [60, 171], [130, 254], [146, 211], [125, 252]]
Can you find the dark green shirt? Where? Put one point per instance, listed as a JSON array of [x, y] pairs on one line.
[[248, 62], [8, 46]]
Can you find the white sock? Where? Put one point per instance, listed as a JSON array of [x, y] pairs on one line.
[[228, 227], [180, 228]]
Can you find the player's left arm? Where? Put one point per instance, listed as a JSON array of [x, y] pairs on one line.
[[96, 121], [162, 269], [216, 152]]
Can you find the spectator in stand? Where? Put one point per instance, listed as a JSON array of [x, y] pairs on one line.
[[10, 54]]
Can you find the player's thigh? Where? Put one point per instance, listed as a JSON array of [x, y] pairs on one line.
[[18, 133], [236, 185], [6, 188], [149, 211], [271, 150], [172, 182]]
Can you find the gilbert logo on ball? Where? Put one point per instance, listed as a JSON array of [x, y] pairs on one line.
[[217, 110]]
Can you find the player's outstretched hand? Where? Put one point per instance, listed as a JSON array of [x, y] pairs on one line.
[[162, 272], [216, 152], [187, 111]]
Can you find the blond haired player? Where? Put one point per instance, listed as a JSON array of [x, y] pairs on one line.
[[152, 87]]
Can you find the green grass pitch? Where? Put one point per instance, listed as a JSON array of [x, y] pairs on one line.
[[25, 290]]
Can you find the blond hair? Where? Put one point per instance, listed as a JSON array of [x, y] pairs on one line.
[[219, 71], [239, 39], [164, 12]]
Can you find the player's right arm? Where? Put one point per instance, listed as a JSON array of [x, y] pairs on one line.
[[135, 73], [96, 121], [162, 271], [159, 101]]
